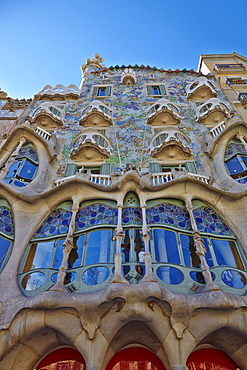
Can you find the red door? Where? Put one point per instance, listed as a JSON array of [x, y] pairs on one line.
[[210, 359], [63, 359], [136, 358]]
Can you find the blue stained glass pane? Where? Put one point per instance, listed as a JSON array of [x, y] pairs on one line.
[[28, 152], [209, 222], [234, 166], [28, 170], [96, 214], [244, 159], [6, 223], [165, 245], [57, 217], [170, 275], [39, 256], [170, 215], [4, 247], [233, 279], [13, 168]]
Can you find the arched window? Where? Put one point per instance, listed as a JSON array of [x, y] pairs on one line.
[[63, 358], [175, 261], [137, 358], [91, 260], [210, 359], [236, 161], [6, 232], [25, 167]]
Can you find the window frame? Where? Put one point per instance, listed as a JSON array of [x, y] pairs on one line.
[[97, 88], [161, 86]]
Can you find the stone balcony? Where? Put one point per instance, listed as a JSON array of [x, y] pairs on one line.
[[163, 112], [96, 114], [200, 89], [59, 92]]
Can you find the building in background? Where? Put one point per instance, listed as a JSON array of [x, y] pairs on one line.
[[123, 221]]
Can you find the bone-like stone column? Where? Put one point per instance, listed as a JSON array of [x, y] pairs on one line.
[[12, 158], [241, 138], [118, 277], [200, 248], [149, 276], [67, 248]]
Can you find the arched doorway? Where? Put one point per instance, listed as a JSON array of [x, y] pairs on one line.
[[210, 359], [63, 358], [135, 358]]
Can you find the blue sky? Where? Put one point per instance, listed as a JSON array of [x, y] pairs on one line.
[[46, 41]]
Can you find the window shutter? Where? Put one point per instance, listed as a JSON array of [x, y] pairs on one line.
[[150, 90], [191, 166], [71, 169], [105, 169], [162, 90], [95, 91], [155, 167], [108, 91]]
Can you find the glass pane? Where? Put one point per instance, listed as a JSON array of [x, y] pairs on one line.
[[13, 168], [234, 166], [191, 259], [58, 254], [198, 277], [27, 171], [33, 281], [70, 276], [18, 183], [39, 256], [139, 246], [170, 275], [244, 159], [233, 279], [75, 256], [4, 247], [126, 247], [95, 275], [98, 246], [165, 245], [226, 253]]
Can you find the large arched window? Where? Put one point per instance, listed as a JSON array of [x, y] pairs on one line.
[[91, 260], [175, 261], [210, 359], [137, 358], [6, 232], [236, 161], [63, 358], [25, 167]]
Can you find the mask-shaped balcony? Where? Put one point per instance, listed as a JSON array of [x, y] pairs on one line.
[[128, 77], [96, 114], [163, 113], [170, 145], [59, 92], [212, 112], [48, 116], [90, 146], [200, 89]]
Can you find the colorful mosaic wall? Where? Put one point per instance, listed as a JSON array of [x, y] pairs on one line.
[[6, 222]]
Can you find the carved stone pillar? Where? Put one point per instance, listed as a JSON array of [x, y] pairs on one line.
[[149, 276], [12, 158], [118, 277], [67, 248], [200, 250], [241, 138]]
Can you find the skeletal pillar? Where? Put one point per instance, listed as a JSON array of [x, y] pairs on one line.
[[200, 250], [149, 276], [118, 277], [241, 138], [12, 158], [67, 247]]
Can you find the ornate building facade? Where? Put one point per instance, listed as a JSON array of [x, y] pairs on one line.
[[123, 221]]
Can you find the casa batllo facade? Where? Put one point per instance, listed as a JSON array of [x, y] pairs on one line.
[[123, 220]]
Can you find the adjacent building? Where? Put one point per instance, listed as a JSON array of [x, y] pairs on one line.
[[123, 225]]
